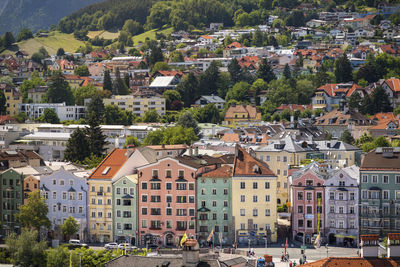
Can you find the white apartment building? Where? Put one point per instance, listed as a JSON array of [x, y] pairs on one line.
[[138, 105], [64, 112]]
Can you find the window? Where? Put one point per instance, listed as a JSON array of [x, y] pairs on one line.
[[309, 223], [242, 226], [168, 174], [299, 195], [351, 210], [191, 199], [266, 185], [155, 186], [181, 212], [168, 186], [309, 209], [5, 182], [80, 196], [374, 179], [180, 186], [255, 212], [180, 199], [332, 223], [181, 173], [144, 223], [267, 158], [278, 158], [364, 194], [168, 199], [309, 196], [386, 179], [214, 203], [242, 185], [332, 209], [155, 173], [397, 194], [225, 203], [341, 224], [61, 182], [225, 228], [255, 185], [352, 196], [340, 196], [119, 213], [144, 198], [225, 191], [365, 178], [144, 211], [99, 201], [300, 223], [255, 199], [168, 224], [299, 209], [267, 212], [64, 195], [341, 210], [214, 216], [397, 179], [155, 199], [242, 212], [144, 185], [331, 195], [216, 228], [203, 203], [54, 195], [169, 211], [191, 186], [284, 159], [242, 198], [214, 191]]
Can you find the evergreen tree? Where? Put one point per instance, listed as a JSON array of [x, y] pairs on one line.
[[8, 39], [59, 90], [286, 72], [355, 101], [119, 87], [127, 80], [265, 71], [95, 116], [347, 137], [3, 107], [77, 147], [208, 82], [366, 106], [188, 89], [95, 110], [107, 83], [235, 71], [380, 101], [188, 121], [343, 69], [155, 56], [50, 116], [60, 52]]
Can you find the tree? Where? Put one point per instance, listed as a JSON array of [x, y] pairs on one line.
[[60, 52], [347, 137], [95, 116], [355, 101], [82, 70], [77, 148], [265, 71], [171, 136], [107, 83], [133, 27], [8, 39], [119, 87], [33, 214], [380, 101], [235, 71], [49, 116], [238, 92], [188, 89], [343, 69], [59, 256], [24, 34], [155, 56], [132, 141], [176, 56], [209, 114], [151, 116], [187, 120], [160, 66], [3, 101], [86, 92], [70, 227], [171, 96], [286, 72], [59, 90], [25, 250], [208, 82], [113, 115]]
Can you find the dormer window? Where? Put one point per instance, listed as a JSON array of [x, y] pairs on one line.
[[106, 170], [256, 169]]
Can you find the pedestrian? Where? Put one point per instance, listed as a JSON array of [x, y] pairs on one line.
[[301, 261], [290, 264], [158, 251], [287, 255], [294, 263]]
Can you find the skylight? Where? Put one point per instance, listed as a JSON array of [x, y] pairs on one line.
[[106, 170]]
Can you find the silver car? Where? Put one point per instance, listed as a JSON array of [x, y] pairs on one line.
[[111, 246]]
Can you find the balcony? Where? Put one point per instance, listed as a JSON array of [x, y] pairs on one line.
[[100, 193]]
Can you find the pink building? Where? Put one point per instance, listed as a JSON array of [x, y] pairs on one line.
[[308, 187], [167, 199]]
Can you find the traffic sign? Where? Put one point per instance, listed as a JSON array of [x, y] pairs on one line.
[[303, 247]]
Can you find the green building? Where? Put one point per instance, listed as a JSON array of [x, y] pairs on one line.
[[380, 192], [11, 199], [214, 198], [125, 209]]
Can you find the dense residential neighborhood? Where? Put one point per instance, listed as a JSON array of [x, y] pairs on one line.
[[203, 133]]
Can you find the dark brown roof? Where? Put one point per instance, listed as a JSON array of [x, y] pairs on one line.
[[227, 158], [340, 118], [140, 261], [246, 165], [221, 172], [198, 161], [376, 161]]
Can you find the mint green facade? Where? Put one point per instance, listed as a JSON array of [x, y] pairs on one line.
[[11, 199], [214, 209], [125, 209]]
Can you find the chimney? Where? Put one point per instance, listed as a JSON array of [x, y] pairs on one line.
[[369, 246], [196, 151], [393, 245], [190, 151]]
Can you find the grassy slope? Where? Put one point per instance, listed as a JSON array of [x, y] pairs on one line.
[[51, 43], [150, 34], [105, 34]]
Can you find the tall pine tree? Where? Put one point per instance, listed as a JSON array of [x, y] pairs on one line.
[[265, 71], [95, 116], [235, 71], [77, 147], [107, 82], [343, 69], [120, 87]]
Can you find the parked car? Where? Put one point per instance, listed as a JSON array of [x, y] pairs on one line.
[[77, 243], [111, 246], [299, 237], [128, 246]]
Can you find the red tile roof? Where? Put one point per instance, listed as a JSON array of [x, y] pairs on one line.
[[382, 116], [354, 262], [234, 45], [222, 172], [110, 165], [394, 84], [231, 137], [246, 165]]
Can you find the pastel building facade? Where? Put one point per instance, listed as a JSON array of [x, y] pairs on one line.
[[66, 195], [308, 203]]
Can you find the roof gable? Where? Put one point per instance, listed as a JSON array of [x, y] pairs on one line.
[[110, 165]]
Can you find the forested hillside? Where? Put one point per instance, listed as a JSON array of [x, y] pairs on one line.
[[36, 14]]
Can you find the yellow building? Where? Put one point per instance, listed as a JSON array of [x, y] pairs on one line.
[[281, 155], [13, 98], [241, 114], [254, 207], [100, 206], [137, 105]]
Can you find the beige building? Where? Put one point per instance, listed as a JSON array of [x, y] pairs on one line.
[[282, 155], [138, 105], [254, 208]]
